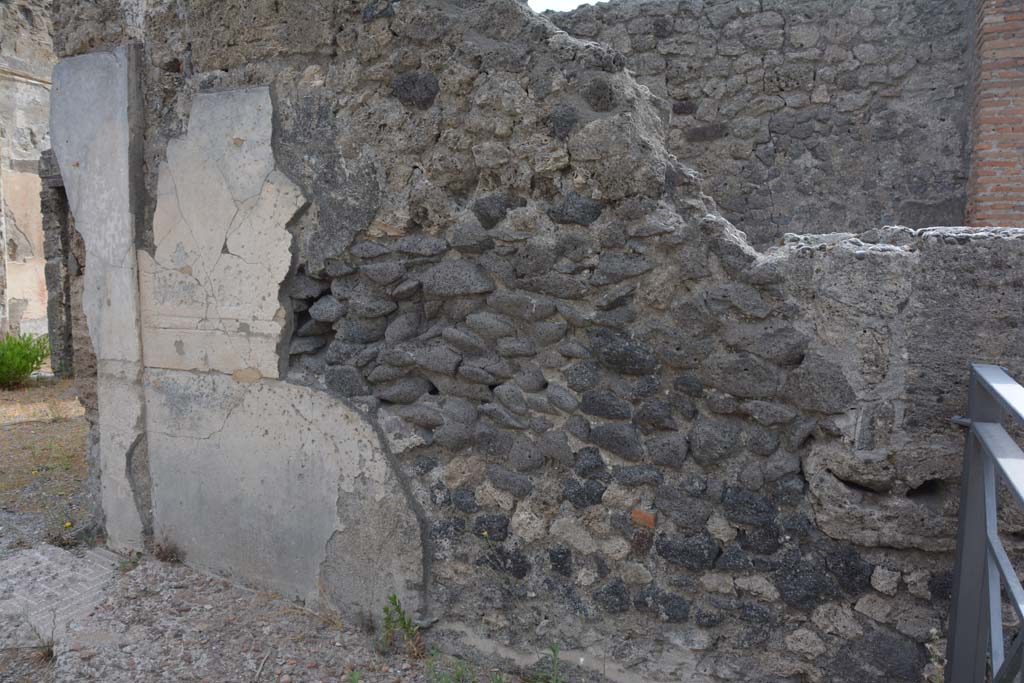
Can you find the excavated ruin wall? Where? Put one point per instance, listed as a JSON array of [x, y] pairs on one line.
[[26, 57], [807, 115], [599, 417]]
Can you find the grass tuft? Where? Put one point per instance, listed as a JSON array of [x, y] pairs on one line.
[[20, 356]]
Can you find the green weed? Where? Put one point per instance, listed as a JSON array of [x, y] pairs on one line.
[[20, 356]]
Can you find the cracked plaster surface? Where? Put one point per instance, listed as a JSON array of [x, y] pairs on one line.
[[92, 124], [210, 289], [241, 490]]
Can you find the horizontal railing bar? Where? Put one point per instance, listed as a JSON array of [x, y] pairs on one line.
[[1008, 456], [1010, 669], [1002, 387], [1010, 580]]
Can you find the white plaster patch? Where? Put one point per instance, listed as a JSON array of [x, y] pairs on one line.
[[256, 480], [210, 290]]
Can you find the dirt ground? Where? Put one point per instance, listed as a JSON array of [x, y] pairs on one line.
[[42, 461]]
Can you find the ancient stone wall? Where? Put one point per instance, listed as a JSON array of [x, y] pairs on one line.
[[26, 58], [428, 306], [62, 268], [806, 115]]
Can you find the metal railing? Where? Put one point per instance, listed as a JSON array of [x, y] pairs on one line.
[[983, 569]]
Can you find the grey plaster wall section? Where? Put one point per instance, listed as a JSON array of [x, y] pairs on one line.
[[261, 481], [94, 105]]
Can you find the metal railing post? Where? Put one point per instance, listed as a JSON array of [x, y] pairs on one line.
[[966, 649]]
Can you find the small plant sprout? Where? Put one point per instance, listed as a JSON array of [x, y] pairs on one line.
[[397, 623]]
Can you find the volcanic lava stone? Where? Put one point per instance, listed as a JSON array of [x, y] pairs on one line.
[[713, 439], [345, 381], [327, 309], [620, 352], [589, 462], [685, 509], [464, 500], [655, 414], [744, 507], [599, 94], [493, 527], [421, 245], [612, 597], [415, 88], [689, 385], [561, 398], [561, 560], [853, 572], [405, 390], [512, 562], [879, 656], [576, 209], [759, 540], [668, 450], [519, 485], [803, 582], [562, 120], [525, 456], [637, 475], [582, 375], [673, 608], [491, 209], [554, 445], [734, 559], [601, 403], [619, 439], [456, 278], [583, 495], [693, 552], [578, 426], [447, 528]]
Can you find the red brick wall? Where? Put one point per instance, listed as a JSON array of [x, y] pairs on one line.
[[995, 195]]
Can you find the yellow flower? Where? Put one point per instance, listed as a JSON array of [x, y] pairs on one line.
[[67, 525], [35, 471], [484, 532]]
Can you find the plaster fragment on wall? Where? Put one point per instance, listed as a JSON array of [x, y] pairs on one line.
[[265, 480], [210, 290]]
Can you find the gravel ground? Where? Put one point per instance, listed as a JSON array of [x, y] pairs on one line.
[[165, 622]]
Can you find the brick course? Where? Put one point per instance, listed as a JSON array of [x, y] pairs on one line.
[[995, 189]]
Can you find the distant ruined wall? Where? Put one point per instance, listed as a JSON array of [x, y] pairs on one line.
[[426, 305], [26, 57], [807, 116]]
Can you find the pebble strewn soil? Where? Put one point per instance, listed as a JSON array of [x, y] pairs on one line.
[[165, 622]]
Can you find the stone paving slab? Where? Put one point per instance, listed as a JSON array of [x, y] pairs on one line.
[[48, 587]]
